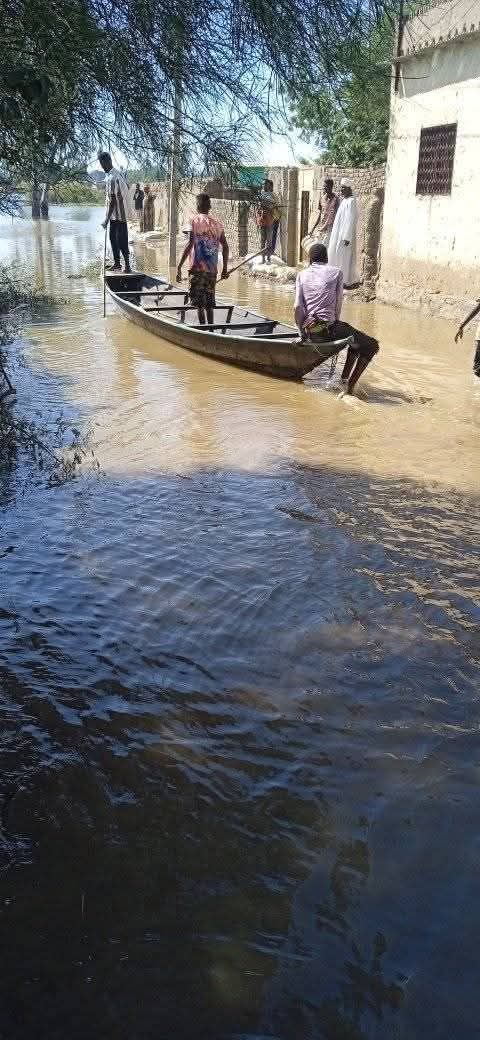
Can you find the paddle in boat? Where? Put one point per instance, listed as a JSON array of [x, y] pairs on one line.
[[238, 335]]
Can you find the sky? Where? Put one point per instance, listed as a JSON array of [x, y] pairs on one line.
[[279, 150], [287, 150]]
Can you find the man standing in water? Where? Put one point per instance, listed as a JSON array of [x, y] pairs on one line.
[[318, 305], [117, 201], [138, 202], [267, 215], [327, 211], [205, 238], [343, 241], [459, 336]]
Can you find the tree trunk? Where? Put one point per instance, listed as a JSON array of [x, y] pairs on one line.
[[44, 201], [36, 198]]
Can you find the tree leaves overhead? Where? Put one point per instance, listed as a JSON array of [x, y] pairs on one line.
[[77, 73], [347, 115]]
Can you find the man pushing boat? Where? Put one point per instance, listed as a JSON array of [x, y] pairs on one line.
[[318, 305]]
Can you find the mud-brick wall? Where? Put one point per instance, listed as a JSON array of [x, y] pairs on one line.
[[236, 210], [364, 181], [285, 186]]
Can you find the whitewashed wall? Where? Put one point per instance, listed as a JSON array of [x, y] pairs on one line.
[[431, 244]]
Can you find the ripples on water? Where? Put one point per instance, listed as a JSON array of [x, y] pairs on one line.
[[239, 748]]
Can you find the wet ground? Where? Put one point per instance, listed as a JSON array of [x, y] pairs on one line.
[[239, 748]]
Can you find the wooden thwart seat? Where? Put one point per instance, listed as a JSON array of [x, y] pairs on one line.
[[236, 325], [154, 292], [182, 307]]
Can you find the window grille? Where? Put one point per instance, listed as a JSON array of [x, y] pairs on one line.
[[435, 159]]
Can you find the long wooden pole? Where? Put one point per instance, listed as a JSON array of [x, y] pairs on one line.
[[401, 25], [103, 274], [174, 187], [245, 261]]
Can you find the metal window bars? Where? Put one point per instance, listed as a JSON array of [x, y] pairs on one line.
[[435, 159]]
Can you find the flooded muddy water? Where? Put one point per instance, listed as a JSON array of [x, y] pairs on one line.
[[239, 752]]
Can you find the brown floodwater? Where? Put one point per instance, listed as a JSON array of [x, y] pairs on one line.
[[239, 752]]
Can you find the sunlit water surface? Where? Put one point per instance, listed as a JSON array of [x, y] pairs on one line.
[[239, 747]]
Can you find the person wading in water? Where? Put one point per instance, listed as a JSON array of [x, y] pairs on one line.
[[138, 202], [459, 336], [205, 238], [318, 305], [117, 200]]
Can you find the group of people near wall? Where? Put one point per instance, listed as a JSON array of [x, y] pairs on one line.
[[144, 202], [336, 228], [319, 289], [318, 297]]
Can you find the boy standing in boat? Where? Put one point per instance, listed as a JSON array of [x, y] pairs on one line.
[[206, 235]]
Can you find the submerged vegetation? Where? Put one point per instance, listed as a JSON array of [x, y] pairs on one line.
[[53, 447]]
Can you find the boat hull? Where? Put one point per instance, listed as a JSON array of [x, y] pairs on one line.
[[285, 359]]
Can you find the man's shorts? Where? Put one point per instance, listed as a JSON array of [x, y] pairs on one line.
[[202, 289]]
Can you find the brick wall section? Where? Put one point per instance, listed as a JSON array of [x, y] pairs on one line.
[[236, 210]]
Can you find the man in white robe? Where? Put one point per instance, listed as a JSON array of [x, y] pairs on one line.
[[343, 241]]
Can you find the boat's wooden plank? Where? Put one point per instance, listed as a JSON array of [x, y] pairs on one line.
[[153, 292], [182, 307], [278, 335], [236, 325]]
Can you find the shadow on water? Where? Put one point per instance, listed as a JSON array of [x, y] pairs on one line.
[[239, 759]]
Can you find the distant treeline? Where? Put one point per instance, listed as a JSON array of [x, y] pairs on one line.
[[70, 192]]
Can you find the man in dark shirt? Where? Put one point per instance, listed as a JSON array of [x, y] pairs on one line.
[[327, 210], [138, 198]]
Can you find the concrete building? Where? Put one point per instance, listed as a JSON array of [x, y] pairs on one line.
[[430, 253]]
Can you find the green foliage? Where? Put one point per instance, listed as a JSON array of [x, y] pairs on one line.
[[17, 292], [348, 117], [146, 174], [78, 73], [69, 193], [77, 193]]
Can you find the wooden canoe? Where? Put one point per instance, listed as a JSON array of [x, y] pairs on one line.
[[238, 336]]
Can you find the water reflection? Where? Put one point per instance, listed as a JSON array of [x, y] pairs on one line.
[[239, 689]]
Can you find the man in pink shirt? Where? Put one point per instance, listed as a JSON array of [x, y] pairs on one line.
[[318, 305]]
